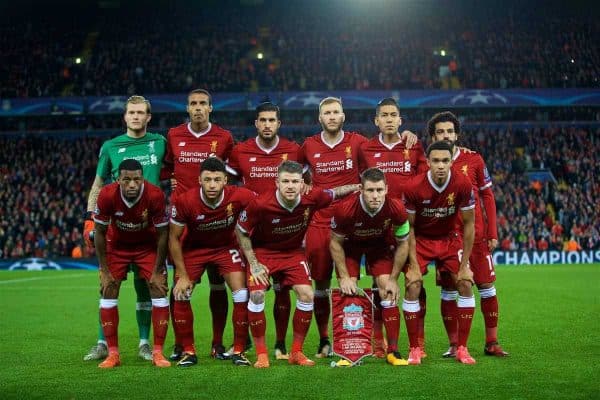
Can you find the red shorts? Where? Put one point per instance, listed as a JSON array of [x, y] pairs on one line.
[[225, 259], [317, 252], [289, 268], [119, 261], [379, 261], [445, 252], [481, 263]]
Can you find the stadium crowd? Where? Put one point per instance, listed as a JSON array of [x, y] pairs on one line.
[[301, 50], [43, 189]]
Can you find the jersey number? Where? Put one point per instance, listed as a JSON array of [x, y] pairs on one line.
[[235, 256]]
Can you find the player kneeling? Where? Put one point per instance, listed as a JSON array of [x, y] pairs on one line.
[[134, 209]]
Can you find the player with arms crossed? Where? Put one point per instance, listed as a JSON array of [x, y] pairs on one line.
[[255, 163], [270, 233], [366, 223], [446, 126], [149, 149], [434, 202], [209, 214], [135, 211], [188, 145]]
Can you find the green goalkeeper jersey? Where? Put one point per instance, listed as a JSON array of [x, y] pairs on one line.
[[149, 150]]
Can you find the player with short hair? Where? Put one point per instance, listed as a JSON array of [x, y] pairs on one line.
[[188, 145], [375, 225], [270, 233], [134, 209], [390, 152], [255, 162], [332, 158], [434, 202], [446, 126], [149, 149], [209, 216]]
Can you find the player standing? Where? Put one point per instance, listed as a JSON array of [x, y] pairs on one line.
[[210, 216], [270, 233], [149, 149], [188, 145], [433, 201], [390, 152], [135, 211], [367, 223], [255, 163], [446, 126]]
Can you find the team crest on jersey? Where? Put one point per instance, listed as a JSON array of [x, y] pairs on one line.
[[213, 146], [151, 147], [465, 169], [348, 151], [306, 215], [145, 214], [406, 153], [386, 223], [284, 157], [451, 199], [229, 209]]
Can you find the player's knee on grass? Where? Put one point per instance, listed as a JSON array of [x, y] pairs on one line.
[[257, 296], [304, 293]]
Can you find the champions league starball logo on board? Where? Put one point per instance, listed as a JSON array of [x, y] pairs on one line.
[[34, 264], [304, 99], [353, 318], [473, 97]]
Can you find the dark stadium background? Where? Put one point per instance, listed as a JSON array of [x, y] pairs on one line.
[[63, 51]]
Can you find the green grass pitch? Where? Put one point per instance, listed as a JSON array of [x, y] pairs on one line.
[[549, 322]]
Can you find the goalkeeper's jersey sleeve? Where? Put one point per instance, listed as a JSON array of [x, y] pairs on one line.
[[149, 150]]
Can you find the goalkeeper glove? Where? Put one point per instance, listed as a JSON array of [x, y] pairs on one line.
[[88, 229]]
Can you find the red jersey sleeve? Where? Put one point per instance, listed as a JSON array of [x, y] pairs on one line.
[[322, 198], [104, 206], [339, 220], [178, 211], [249, 217], [233, 163], [421, 159], [158, 208]]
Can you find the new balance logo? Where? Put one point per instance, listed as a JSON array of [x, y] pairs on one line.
[[317, 155], [200, 217], [426, 201], [122, 150], [252, 159], [358, 224], [181, 144], [377, 155], [119, 214], [275, 220]]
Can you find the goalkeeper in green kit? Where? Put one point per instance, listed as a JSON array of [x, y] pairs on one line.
[[149, 149]]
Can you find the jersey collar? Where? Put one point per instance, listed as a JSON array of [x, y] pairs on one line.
[[389, 146], [205, 201], [133, 203], [267, 151], [282, 203], [336, 143], [437, 188], [198, 134], [456, 153], [366, 209]]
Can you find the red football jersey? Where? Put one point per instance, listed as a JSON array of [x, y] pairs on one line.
[[187, 149], [396, 161], [132, 225], [437, 208], [363, 229], [256, 166], [470, 164], [207, 226], [273, 226], [331, 166]]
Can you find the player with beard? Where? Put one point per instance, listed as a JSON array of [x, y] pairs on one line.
[[255, 162]]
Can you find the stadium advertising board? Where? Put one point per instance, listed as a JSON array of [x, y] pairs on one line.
[[310, 100]]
